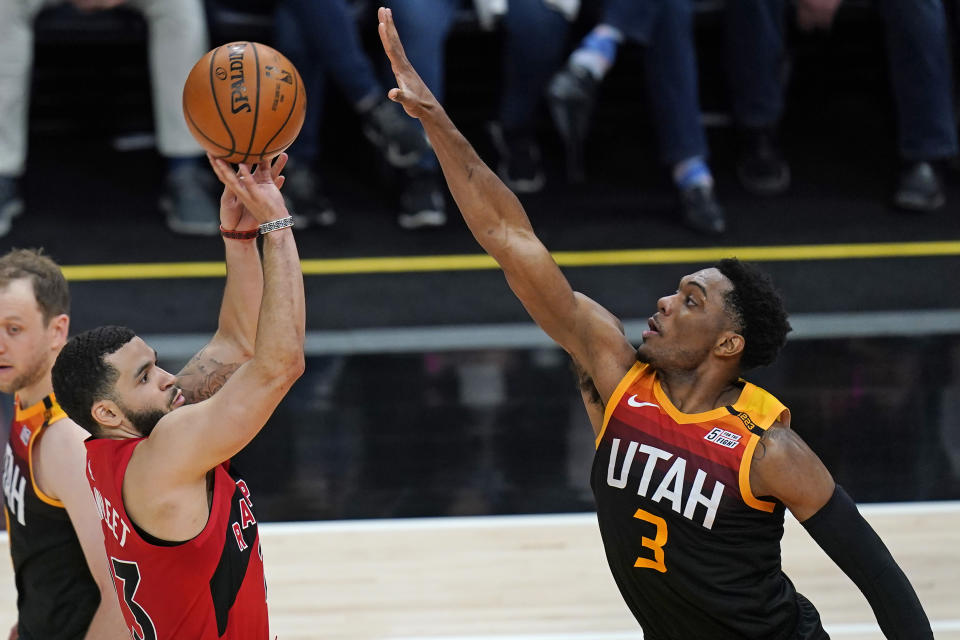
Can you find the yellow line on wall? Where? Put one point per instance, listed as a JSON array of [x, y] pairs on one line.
[[625, 257]]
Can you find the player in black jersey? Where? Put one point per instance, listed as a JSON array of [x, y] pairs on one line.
[[64, 588], [694, 466]]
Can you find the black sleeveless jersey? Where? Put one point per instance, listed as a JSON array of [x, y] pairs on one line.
[[693, 552], [56, 594]]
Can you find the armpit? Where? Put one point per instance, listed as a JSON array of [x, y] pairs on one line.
[[203, 376], [587, 388]]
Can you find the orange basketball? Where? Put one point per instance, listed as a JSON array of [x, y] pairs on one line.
[[244, 102]]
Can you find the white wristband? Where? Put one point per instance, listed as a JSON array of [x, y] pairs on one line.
[[276, 225]]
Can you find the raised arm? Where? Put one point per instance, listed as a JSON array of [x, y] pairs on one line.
[[786, 468], [232, 344], [498, 222], [191, 440]]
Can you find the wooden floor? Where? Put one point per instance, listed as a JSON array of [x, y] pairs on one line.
[[539, 577]]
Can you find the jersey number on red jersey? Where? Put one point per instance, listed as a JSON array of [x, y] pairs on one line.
[[128, 573]]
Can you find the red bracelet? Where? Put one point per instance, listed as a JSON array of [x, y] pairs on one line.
[[249, 234]]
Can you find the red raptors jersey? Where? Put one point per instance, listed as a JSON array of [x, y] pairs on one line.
[[209, 587], [694, 553]]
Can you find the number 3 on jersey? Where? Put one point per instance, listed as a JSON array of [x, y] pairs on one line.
[[129, 574], [656, 543]]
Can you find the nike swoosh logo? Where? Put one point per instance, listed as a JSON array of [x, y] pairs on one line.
[[632, 401]]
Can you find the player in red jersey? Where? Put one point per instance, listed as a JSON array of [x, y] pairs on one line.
[[179, 530], [64, 588], [694, 467]]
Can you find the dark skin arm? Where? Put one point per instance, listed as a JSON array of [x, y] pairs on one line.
[[498, 222], [786, 468], [592, 401]]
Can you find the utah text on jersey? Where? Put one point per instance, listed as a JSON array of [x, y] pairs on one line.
[[14, 485], [672, 487]]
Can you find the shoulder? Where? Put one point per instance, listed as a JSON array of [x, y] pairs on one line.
[[786, 468], [778, 448], [61, 440], [60, 458]]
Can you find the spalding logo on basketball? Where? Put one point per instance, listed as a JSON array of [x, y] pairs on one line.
[[244, 102]]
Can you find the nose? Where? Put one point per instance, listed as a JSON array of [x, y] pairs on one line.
[[167, 380], [663, 305]]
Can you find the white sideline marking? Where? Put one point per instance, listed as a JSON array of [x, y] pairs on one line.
[[849, 629], [271, 529], [497, 522]]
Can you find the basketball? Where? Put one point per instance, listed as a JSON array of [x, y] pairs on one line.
[[244, 102]]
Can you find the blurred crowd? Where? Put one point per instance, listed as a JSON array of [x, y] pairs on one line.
[[556, 56]]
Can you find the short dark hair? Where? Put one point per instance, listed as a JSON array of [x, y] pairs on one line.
[[49, 286], [757, 309], [81, 376]]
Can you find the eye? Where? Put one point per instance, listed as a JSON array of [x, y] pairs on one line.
[[691, 302], [13, 329]]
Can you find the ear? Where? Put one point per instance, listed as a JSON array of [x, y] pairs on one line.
[[59, 329], [729, 345], [107, 414]]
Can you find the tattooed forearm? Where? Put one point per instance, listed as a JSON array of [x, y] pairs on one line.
[[203, 376]]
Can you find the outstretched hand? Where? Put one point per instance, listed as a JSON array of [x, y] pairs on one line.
[[234, 216], [411, 91], [250, 198]]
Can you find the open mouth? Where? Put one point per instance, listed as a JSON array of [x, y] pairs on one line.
[[654, 330], [178, 399]]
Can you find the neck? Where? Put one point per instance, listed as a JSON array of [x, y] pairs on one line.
[[698, 391], [35, 392]]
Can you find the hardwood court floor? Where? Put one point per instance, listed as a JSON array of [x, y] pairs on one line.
[[539, 577]]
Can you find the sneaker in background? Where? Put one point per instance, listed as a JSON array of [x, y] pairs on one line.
[[700, 210], [520, 166], [304, 198], [571, 96], [422, 203], [188, 201], [399, 137], [761, 167], [919, 188]]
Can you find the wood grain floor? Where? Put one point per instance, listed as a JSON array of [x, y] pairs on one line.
[[539, 577]]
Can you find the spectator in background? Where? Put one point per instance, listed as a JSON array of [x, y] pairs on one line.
[[320, 38], [919, 59], [665, 29], [178, 38], [535, 40]]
